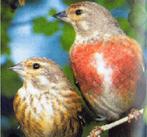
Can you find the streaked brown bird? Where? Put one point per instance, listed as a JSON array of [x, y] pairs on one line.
[[46, 105]]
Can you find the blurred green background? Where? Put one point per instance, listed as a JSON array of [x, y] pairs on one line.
[[31, 31]]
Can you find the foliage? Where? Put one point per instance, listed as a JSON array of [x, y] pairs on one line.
[[135, 26], [7, 76], [68, 2], [111, 3], [69, 73], [10, 77], [9, 80], [67, 37], [52, 12], [42, 26], [125, 25], [7, 14]]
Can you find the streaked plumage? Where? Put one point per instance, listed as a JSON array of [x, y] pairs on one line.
[[46, 105]]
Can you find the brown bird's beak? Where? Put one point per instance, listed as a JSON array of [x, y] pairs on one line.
[[18, 68], [61, 15]]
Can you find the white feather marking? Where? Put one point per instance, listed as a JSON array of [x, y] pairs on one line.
[[102, 68], [37, 104], [48, 107], [107, 101], [22, 92], [31, 89], [84, 25], [41, 105], [43, 80]]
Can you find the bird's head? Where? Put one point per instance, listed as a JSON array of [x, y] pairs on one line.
[[88, 19], [39, 70]]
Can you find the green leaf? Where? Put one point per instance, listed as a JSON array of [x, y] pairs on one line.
[[110, 4], [7, 15], [67, 37], [43, 26], [52, 12], [129, 30], [124, 24], [69, 73], [126, 27], [4, 40], [9, 80], [69, 2]]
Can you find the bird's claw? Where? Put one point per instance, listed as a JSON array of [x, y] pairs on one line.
[[100, 118], [96, 132], [134, 114]]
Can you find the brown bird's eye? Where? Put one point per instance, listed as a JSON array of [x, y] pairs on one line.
[[36, 66], [78, 12]]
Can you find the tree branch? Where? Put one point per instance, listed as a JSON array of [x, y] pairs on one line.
[[98, 130]]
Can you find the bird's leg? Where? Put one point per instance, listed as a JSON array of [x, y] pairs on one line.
[[96, 132], [134, 114]]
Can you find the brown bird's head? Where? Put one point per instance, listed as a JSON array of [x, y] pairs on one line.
[[34, 66], [40, 71], [89, 19]]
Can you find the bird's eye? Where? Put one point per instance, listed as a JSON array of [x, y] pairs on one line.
[[36, 66], [78, 12]]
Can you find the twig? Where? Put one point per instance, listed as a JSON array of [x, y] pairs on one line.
[[97, 131]]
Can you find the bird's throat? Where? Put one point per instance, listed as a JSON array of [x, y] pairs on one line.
[[86, 38], [98, 34]]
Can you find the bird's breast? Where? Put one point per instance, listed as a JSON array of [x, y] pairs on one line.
[[116, 62], [44, 114], [107, 68], [34, 113]]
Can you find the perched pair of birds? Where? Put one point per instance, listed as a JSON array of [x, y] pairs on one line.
[[107, 64]]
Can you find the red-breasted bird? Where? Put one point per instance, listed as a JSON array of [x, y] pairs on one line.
[[107, 64], [46, 105]]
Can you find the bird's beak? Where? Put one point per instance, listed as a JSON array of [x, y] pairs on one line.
[[61, 15], [18, 68]]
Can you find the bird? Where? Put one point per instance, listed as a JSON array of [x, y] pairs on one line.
[[107, 64], [46, 105]]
